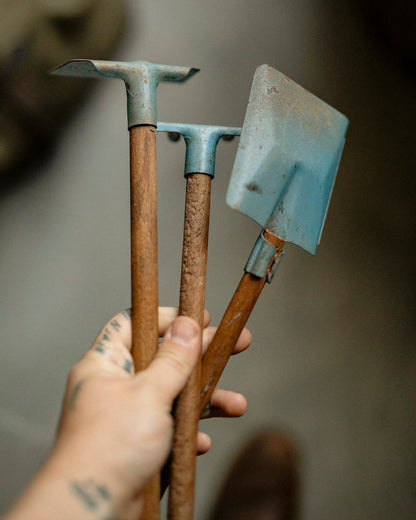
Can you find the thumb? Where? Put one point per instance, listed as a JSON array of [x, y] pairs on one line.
[[177, 356]]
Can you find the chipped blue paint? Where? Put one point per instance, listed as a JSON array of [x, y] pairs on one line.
[[201, 143], [287, 159], [274, 267], [260, 257], [141, 79]]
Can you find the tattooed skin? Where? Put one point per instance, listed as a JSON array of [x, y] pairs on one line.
[[106, 335], [127, 314], [127, 366], [116, 325], [101, 348], [94, 497]]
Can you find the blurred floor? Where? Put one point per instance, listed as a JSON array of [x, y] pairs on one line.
[[333, 357]]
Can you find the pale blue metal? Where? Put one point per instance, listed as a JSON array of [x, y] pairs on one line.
[[287, 159], [274, 267], [201, 144], [141, 79], [260, 256]]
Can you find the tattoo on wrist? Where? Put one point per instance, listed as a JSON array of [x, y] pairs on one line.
[[94, 497]]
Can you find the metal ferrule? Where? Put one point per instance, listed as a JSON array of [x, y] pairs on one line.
[[201, 144], [263, 260], [141, 79]]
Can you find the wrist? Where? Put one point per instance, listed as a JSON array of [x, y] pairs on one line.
[[61, 491], [69, 487], [91, 482]]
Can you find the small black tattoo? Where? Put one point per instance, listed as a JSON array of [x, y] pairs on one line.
[[116, 325], [82, 491], [93, 496], [127, 365], [103, 492], [127, 313], [101, 348]]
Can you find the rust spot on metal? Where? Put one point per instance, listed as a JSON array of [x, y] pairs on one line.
[[109, 67], [252, 186], [272, 89]]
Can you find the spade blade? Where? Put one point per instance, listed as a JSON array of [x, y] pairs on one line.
[[290, 147]]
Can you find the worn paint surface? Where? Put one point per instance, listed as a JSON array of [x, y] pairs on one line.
[[141, 79], [260, 257], [290, 147], [201, 144]]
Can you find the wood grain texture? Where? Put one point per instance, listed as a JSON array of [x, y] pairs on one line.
[[227, 334], [144, 270], [192, 303], [232, 324]]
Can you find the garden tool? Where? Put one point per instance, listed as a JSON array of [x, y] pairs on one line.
[[141, 79], [284, 171], [201, 142]]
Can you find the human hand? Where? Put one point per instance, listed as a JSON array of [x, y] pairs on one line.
[[116, 428]]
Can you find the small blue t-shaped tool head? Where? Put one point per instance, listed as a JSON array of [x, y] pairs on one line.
[[141, 79], [201, 143]]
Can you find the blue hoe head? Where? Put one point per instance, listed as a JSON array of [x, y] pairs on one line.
[[141, 79], [201, 144]]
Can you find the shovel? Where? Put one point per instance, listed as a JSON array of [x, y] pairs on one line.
[[201, 142], [141, 79], [283, 175]]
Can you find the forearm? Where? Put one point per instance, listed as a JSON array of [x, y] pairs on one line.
[[68, 489]]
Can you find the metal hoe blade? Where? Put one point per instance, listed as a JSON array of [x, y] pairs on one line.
[[141, 79], [201, 143], [290, 147]]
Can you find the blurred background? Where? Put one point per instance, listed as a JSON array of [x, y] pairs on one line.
[[333, 360]]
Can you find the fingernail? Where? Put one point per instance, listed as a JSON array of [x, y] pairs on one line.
[[183, 331]]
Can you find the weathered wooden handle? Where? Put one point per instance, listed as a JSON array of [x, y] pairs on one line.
[[144, 274], [192, 303], [232, 324], [227, 334]]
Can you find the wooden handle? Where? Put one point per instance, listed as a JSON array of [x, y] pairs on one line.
[[232, 324], [144, 274], [192, 303], [227, 334]]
